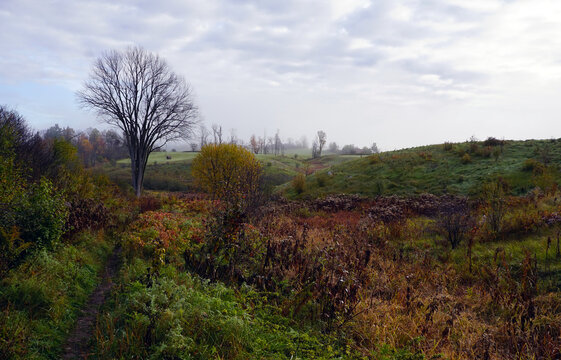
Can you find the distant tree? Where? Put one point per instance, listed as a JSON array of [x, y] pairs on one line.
[[321, 139], [349, 149], [233, 137], [277, 144], [303, 143], [115, 147], [193, 146], [98, 144], [54, 132], [315, 150], [203, 136], [254, 144], [374, 148], [333, 147], [217, 133], [85, 150], [136, 91]]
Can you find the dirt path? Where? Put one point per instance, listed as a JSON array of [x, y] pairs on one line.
[[77, 344]]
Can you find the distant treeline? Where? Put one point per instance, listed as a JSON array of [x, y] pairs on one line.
[[93, 146]]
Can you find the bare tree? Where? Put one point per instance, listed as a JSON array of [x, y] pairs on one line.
[[278, 143], [203, 136], [217, 133], [315, 149], [321, 139], [233, 137], [136, 91], [193, 146]]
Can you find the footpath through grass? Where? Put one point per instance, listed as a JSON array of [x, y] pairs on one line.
[[41, 298]]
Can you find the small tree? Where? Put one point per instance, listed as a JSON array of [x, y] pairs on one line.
[[455, 220], [229, 173]]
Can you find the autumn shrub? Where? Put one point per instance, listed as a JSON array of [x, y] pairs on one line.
[[149, 203], [495, 197], [485, 152], [534, 166], [321, 179], [466, 159], [86, 214], [230, 173], [299, 183]]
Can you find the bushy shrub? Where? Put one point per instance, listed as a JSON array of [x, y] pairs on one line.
[[533, 165], [321, 179], [473, 148], [230, 173], [299, 183], [491, 141], [43, 214], [374, 159], [86, 214], [466, 159], [485, 152], [447, 146]]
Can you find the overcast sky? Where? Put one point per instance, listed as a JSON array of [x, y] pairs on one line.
[[399, 73]]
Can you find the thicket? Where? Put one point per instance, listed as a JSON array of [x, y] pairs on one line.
[[44, 192]]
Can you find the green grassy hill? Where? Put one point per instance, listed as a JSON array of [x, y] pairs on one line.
[[174, 174], [447, 168]]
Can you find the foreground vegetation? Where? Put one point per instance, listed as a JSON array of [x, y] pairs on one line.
[[232, 274]]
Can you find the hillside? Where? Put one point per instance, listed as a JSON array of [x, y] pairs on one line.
[[446, 168], [174, 174]]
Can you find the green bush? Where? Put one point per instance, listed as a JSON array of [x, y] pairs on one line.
[[321, 179], [43, 214]]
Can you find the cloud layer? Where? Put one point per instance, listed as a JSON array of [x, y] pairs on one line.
[[399, 73]]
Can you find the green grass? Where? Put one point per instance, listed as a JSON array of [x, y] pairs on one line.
[[41, 298], [161, 157], [428, 169], [175, 174], [186, 317]]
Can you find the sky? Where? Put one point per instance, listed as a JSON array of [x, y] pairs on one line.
[[398, 73]]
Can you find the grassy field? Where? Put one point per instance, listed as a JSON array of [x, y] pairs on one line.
[[460, 169], [175, 174]]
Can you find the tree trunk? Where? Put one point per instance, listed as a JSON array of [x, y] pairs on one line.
[[139, 158]]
